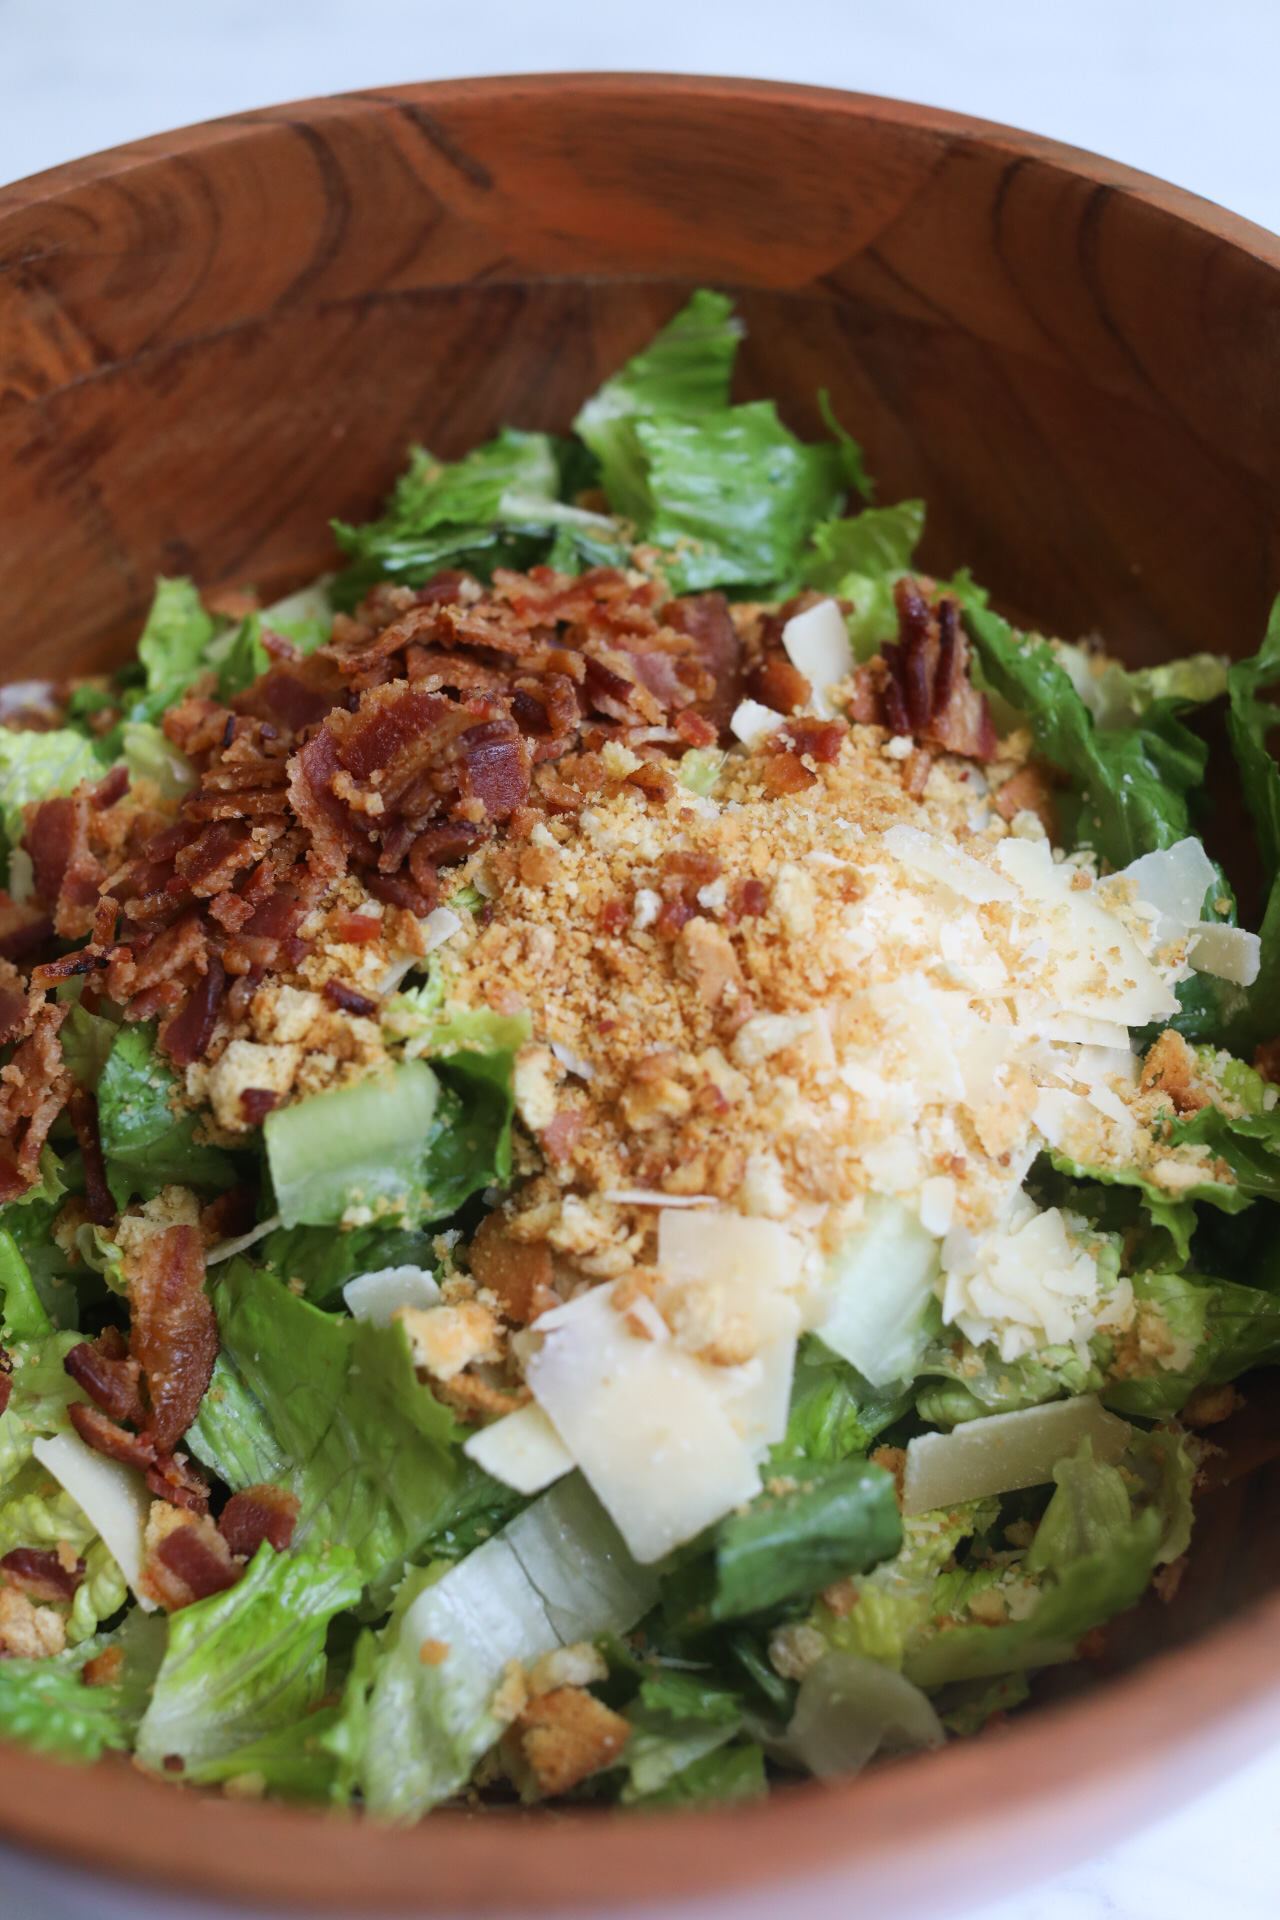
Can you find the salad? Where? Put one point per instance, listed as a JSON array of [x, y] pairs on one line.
[[637, 1143]]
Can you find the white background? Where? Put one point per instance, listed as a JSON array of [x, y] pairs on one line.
[[1184, 88]]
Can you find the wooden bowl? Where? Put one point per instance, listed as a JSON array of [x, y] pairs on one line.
[[213, 341]]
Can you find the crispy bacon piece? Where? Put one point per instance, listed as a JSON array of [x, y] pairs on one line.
[[186, 1036], [133, 971], [349, 1000], [33, 1091], [353, 929], [22, 928], [109, 1375], [717, 648], [40, 1573], [67, 875], [17, 1012], [1028, 791], [114, 787], [695, 729], [231, 1214], [819, 740], [256, 1103], [174, 1479], [188, 1563], [775, 683], [83, 1109], [6, 1378], [259, 1513], [494, 767], [784, 773], [928, 692], [174, 1334], [106, 1437]]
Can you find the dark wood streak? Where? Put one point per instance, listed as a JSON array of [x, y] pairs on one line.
[[215, 340]]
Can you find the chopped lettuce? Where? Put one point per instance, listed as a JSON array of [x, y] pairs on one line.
[[246, 1663], [38, 766], [834, 1412], [246, 660], [145, 1145], [47, 1706], [860, 559], [41, 1389], [1118, 696], [358, 1153], [499, 506], [232, 1435], [729, 1773], [1250, 720], [963, 1382], [150, 755], [850, 1708], [1221, 1328], [556, 1574], [172, 646], [787, 1545], [293, 1762], [321, 1262], [684, 371], [370, 1450], [1130, 785], [676, 1719], [1249, 1143]]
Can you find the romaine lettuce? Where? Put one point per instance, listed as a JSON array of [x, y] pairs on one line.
[[145, 1145], [246, 1663], [38, 766]]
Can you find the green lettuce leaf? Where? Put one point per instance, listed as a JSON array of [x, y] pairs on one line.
[[685, 371], [499, 506], [249, 1662], [1118, 696], [834, 1412], [1229, 1327], [246, 660], [292, 1763], [676, 1719], [321, 1261], [1129, 786], [836, 1520], [172, 645], [46, 1706], [150, 755], [968, 1383], [232, 1435], [1248, 1142], [727, 1774], [860, 560], [144, 1145], [38, 766], [370, 1451]]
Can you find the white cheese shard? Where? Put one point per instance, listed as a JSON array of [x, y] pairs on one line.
[[113, 1497], [1174, 881], [882, 1278], [750, 722], [523, 1450], [817, 645], [1025, 1284], [1230, 953], [1093, 965], [647, 1423], [438, 926], [959, 871], [1007, 1451], [376, 1296]]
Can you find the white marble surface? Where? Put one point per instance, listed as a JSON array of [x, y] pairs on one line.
[[1183, 88]]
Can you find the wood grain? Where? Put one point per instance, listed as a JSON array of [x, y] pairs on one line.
[[212, 342]]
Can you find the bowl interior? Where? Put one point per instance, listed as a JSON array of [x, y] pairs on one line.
[[215, 341]]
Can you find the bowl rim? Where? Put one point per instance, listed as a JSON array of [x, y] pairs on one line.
[[1141, 1745]]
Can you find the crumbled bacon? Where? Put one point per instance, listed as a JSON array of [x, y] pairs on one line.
[[256, 1103], [33, 1091], [67, 874], [17, 1011], [108, 1438], [83, 1109], [173, 1334], [349, 1000], [186, 1036], [259, 1513], [775, 683], [189, 1563], [173, 1478], [928, 692], [518, 1271], [41, 1573], [109, 1375]]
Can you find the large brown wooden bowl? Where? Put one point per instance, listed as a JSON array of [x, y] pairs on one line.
[[213, 341]]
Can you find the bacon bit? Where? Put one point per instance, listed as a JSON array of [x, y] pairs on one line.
[[519, 1272], [259, 1513], [784, 773], [108, 791], [1266, 1060], [105, 1437], [231, 1214], [614, 917], [105, 1669], [775, 683], [560, 1135], [189, 1563], [752, 899], [17, 1011], [83, 1109], [717, 649], [40, 1574], [656, 778], [928, 692], [672, 917], [6, 1378], [174, 1479], [397, 891], [819, 740], [352, 928], [110, 1377], [69, 967], [257, 1102], [174, 1334], [495, 767], [22, 928], [66, 875], [33, 1091], [349, 999], [695, 729], [1028, 792], [187, 1035], [915, 772]]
